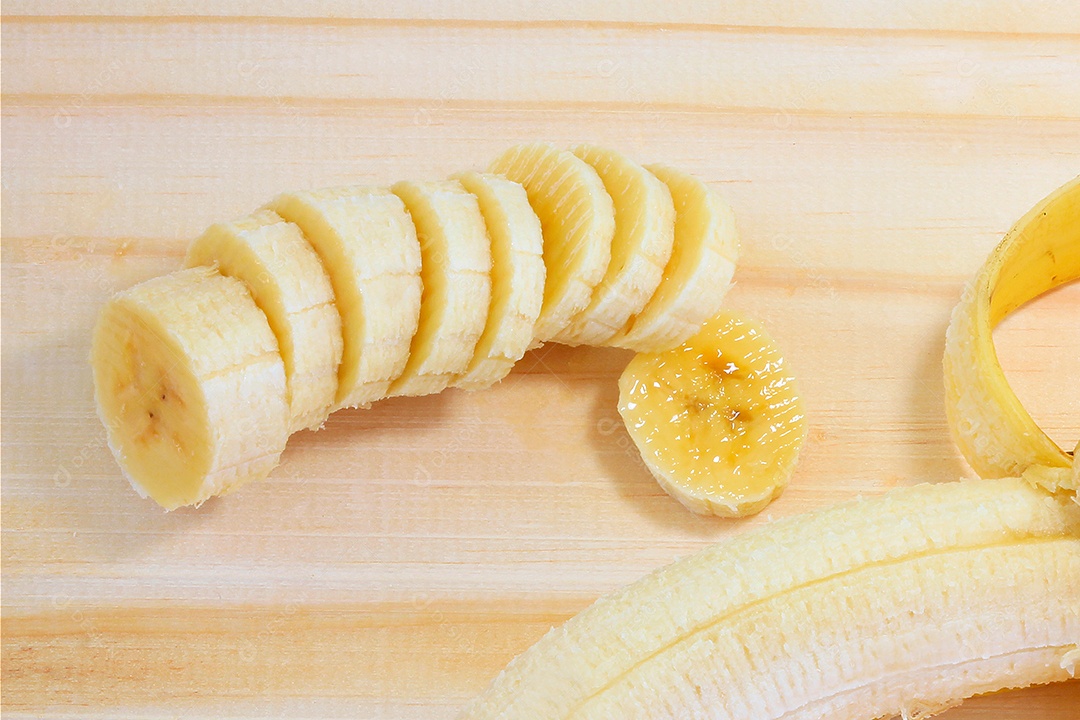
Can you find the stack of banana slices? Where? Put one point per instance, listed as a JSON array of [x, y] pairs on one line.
[[341, 297]]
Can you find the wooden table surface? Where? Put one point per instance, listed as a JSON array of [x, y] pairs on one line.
[[874, 153]]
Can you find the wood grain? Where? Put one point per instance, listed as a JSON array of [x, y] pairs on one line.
[[873, 152]]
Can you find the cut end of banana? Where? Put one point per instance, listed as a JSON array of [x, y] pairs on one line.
[[288, 282], [698, 273], [578, 220], [456, 279], [640, 249], [368, 247], [517, 278], [190, 386], [993, 430], [717, 420]]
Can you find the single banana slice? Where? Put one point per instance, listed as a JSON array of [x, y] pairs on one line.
[[578, 220], [872, 608], [993, 430], [368, 247], [190, 386], [644, 232], [517, 278], [456, 273], [288, 282], [697, 276], [717, 420]]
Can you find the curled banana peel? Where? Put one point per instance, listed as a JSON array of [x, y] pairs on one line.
[[993, 430], [902, 604]]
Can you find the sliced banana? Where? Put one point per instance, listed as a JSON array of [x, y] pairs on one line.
[[456, 274], [288, 282], [369, 248], [993, 430], [190, 386], [640, 249], [697, 276], [517, 278], [717, 420], [578, 220]]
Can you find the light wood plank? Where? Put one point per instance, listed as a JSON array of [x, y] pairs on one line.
[[999, 16], [1033, 77], [874, 153]]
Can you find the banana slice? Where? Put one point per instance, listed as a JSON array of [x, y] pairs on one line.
[[190, 386], [578, 219], [517, 278], [1041, 251], [698, 274], [868, 609], [640, 249], [717, 420], [456, 273], [368, 247], [290, 286]]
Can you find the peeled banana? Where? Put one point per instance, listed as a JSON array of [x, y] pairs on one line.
[[288, 282], [698, 273], [456, 279], [373, 292], [717, 420], [993, 430], [578, 220], [368, 246], [905, 603], [190, 386], [517, 278], [640, 248]]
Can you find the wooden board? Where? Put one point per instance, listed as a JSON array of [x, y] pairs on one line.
[[399, 558]]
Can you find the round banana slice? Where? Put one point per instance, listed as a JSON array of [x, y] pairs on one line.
[[644, 232], [288, 282], [517, 278], [368, 246], [717, 420], [697, 276], [578, 220], [993, 430], [456, 275], [190, 386]]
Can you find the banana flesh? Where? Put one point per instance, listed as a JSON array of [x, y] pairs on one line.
[[190, 386], [877, 607], [578, 220], [368, 246], [373, 292], [992, 429], [456, 279], [517, 278], [717, 420], [288, 282], [698, 273], [641, 247]]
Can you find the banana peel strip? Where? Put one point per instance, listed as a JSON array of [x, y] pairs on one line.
[[997, 436]]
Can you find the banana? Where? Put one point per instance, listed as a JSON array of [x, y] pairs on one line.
[[368, 247], [717, 420], [698, 274], [190, 386], [517, 278], [641, 247], [905, 603], [578, 220], [456, 278], [289, 284], [994, 432]]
